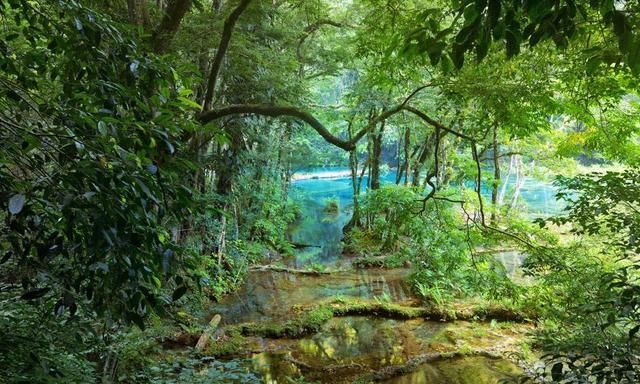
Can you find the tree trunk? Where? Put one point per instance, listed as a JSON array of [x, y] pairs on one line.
[[417, 166], [503, 190], [496, 174], [208, 333], [407, 163], [425, 154], [374, 176], [173, 15], [519, 181], [217, 5], [407, 158], [355, 217], [138, 13], [398, 160]]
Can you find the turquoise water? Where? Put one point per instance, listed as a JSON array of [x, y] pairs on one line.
[[353, 346], [324, 229], [538, 197]]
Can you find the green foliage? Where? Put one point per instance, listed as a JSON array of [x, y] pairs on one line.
[[434, 240], [38, 347], [431, 293], [231, 342], [90, 169], [266, 210], [481, 22], [391, 214], [316, 267], [196, 370], [136, 349], [603, 204], [94, 179], [593, 290], [220, 273], [332, 206], [114, 202]]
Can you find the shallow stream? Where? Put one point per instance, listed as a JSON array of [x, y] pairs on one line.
[[348, 348]]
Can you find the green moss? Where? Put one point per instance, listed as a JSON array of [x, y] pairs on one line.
[[393, 260], [369, 262], [312, 320], [231, 342], [309, 322], [380, 309]]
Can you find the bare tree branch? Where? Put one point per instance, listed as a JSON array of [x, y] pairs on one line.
[[435, 123]]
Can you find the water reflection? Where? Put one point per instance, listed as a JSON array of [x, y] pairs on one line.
[[270, 295], [356, 344], [371, 342], [469, 370]]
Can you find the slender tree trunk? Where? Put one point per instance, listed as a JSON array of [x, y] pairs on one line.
[[503, 190], [404, 172], [222, 238], [353, 165], [519, 181], [444, 175], [407, 158], [217, 5], [355, 218], [496, 173], [424, 154], [365, 165], [398, 160], [374, 175]]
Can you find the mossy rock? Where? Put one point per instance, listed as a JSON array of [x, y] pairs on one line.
[[226, 343]]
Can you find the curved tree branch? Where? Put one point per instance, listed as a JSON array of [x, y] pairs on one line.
[[347, 145], [277, 111], [229, 24], [437, 124]]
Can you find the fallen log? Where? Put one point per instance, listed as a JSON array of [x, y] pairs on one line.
[[414, 363], [208, 332], [276, 268], [303, 245], [325, 368]]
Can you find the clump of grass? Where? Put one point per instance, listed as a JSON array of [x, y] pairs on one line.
[[331, 206]]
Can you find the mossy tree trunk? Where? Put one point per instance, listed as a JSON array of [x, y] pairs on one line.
[[376, 154]]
